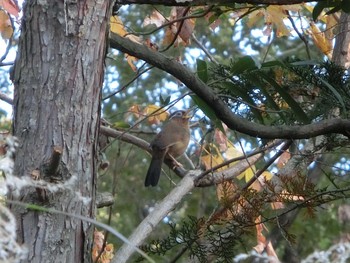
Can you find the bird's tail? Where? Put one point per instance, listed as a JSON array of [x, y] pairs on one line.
[[154, 171]]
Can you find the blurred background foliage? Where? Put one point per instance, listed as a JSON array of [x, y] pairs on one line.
[[232, 45]]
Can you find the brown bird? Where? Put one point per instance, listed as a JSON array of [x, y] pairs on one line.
[[171, 142]]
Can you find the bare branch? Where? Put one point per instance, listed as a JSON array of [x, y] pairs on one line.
[[233, 121], [6, 98]]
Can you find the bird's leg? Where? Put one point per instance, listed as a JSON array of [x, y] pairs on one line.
[[175, 163]]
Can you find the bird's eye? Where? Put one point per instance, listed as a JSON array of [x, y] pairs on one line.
[[177, 114]]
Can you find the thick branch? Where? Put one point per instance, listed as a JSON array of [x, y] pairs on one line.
[[221, 110], [215, 2]]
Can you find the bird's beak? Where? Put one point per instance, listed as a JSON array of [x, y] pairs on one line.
[[187, 115]]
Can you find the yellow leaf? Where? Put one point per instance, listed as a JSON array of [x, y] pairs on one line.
[[331, 23], [276, 15], [267, 175], [117, 26], [320, 40], [254, 16], [231, 153], [6, 29], [212, 158], [248, 174], [155, 114]]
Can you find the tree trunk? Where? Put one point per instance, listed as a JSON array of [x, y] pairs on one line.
[[58, 76], [341, 48]]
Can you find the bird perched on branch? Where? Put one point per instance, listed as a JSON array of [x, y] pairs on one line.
[[171, 142]]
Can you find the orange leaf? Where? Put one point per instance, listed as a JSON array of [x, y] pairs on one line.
[[131, 60], [107, 253], [6, 29], [155, 114], [117, 27], [135, 109], [320, 40]]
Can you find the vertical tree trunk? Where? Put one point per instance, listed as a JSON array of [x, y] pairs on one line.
[[341, 48], [58, 75]]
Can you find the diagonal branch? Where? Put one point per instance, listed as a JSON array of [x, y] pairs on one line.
[[224, 113]]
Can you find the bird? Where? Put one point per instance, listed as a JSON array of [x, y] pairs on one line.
[[171, 142]]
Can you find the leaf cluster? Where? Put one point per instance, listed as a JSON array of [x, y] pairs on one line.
[[203, 241], [282, 92]]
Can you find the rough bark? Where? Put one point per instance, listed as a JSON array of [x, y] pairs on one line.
[[341, 50], [58, 75]]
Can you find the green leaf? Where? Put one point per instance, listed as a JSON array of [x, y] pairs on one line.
[[202, 70], [121, 125], [273, 63], [246, 63], [298, 111], [345, 6], [269, 100], [207, 110], [305, 63], [334, 10], [334, 91], [245, 99], [164, 102]]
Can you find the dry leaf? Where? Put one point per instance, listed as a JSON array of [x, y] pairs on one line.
[[320, 40], [107, 253], [221, 139], [131, 60], [155, 114], [155, 18], [10, 6], [135, 110], [117, 27], [6, 29], [212, 158], [187, 25], [263, 243], [274, 17]]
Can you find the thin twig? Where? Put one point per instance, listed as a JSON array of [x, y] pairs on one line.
[[128, 83]]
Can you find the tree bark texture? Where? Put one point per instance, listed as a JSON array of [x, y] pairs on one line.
[[58, 75], [341, 51]]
